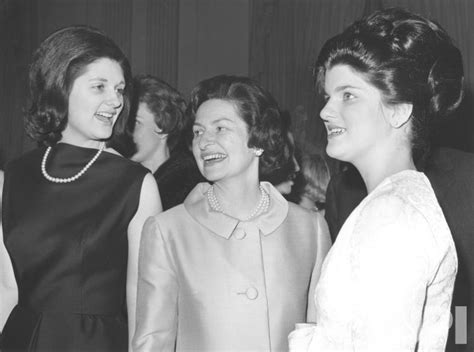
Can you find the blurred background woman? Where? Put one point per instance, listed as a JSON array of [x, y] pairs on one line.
[[283, 177], [160, 140], [221, 271], [314, 182], [387, 283], [73, 209]]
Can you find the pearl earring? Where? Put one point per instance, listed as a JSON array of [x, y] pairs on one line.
[[258, 151]]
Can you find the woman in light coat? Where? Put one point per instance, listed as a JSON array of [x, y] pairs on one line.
[[232, 267]]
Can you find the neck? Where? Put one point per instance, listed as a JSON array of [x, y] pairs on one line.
[[157, 159], [375, 170], [93, 144], [236, 202], [307, 203]]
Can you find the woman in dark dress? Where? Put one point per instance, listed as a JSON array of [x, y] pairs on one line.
[[73, 209]]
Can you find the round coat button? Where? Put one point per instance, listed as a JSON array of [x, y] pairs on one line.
[[251, 293], [239, 234]]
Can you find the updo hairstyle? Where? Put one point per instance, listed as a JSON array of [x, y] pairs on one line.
[[410, 59]]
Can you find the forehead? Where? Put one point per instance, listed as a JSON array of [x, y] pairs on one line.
[[340, 76], [103, 68], [216, 109]]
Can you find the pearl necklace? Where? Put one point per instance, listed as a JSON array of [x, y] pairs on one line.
[[72, 178], [262, 206]]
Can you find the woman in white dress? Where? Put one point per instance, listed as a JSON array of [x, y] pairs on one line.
[[386, 284]]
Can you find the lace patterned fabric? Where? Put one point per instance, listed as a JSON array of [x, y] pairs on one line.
[[387, 282]]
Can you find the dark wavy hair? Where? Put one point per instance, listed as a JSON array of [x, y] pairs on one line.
[[257, 108], [165, 103], [410, 59], [288, 170], [60, 59]]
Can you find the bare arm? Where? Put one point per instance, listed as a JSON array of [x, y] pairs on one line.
[[8, 287], [149, 205]]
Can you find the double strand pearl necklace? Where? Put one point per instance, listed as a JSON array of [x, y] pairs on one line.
[[72, 178], [261, 207]]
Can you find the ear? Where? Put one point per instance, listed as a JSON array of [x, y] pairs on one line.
[[159, 133], [400, 114]]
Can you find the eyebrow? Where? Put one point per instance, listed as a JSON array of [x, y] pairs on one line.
[[347, 86], [215, 121], [100, 79]]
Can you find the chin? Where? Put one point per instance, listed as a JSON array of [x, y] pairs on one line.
[[210, 176], [334, 153], [137, 158]]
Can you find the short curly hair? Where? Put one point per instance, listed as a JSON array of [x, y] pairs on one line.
[[165, 103], [410, 59], [257, 108], [60, 59]]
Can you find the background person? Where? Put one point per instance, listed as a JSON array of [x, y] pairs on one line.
[[160, 140], [316, 175], [283, 178]]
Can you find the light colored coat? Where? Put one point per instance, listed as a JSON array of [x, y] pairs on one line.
[[208, 282]]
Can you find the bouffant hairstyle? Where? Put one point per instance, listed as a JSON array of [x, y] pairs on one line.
[[60, 59], [165, 103], [410, 59], [257, 108]]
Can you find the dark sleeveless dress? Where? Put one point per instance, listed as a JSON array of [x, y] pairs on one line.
[[69, 248]]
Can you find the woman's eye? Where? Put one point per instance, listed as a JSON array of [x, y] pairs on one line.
[[98, 87], [121, 91], [197, 133], [221, 129], [347, 96]]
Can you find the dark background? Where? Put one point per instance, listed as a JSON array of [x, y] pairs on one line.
[[184, 41]]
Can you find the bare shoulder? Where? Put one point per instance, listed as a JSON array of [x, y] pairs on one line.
[[149, 185]]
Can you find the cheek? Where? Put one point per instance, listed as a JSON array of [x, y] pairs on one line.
[[195, 149], [119, 110]]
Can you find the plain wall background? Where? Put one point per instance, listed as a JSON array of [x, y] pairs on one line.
[[185, 41]]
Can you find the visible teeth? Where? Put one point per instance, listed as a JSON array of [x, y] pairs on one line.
[[213, 157], [107, 115], [334, 131]]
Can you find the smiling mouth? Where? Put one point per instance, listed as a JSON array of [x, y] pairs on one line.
[[106, 117], [212, 158], [335, 131]]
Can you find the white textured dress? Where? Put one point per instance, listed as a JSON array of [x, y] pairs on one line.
[[387, 282]]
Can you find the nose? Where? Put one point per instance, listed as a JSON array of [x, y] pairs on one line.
[[115, 99], [206, 139], [327, 112]]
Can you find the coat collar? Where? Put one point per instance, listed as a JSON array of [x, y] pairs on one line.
[[223, 225]]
